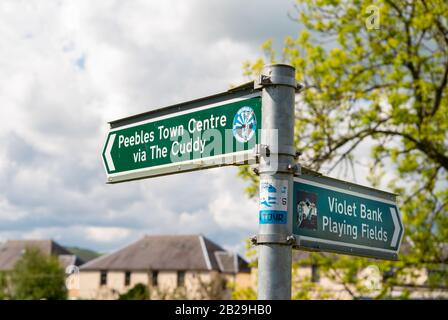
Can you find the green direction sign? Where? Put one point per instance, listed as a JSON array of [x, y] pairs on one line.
[[184, 139], [336, 216]]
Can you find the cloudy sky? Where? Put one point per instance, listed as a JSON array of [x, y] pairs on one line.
[[69, 66]]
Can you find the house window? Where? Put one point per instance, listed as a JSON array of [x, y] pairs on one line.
[[127, 278], [314, 273], [181, 278], [103, 278], [154, 278]]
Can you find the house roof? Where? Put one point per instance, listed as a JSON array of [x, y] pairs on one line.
[[231, 263], [168, 252], [69, 260], [12, 250]]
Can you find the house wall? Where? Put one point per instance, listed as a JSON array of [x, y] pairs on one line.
[[167, 280], [240, 280], [139, 277], [90, 288], [88, 284], [208, 285], [115, 282], [197, 285]]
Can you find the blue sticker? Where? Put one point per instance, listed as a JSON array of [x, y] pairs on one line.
[[273, 217], [273, 201]]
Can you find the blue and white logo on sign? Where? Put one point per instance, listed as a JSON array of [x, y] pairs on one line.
[[244, 124]]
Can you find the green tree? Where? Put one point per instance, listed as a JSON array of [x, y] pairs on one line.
[[384, 87], [38, 276], [138, 292], [5, 290]]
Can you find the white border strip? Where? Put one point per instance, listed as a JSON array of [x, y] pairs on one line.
[[344, 244], [353, 193], [241, 156], [175, 114], [235, 261], [205, 253], [107, 155], [218, 259]]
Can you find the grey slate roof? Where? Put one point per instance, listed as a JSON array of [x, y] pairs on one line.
[[231, 263], [163, 252], [12, 250], [69, 259]]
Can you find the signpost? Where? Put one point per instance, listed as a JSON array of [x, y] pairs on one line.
[[254, 123], [276, 170], [191, 136], [337, 216]]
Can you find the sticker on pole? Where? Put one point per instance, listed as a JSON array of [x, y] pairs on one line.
[[273, 201]]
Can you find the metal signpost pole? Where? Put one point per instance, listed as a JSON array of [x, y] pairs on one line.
[[276, 171]]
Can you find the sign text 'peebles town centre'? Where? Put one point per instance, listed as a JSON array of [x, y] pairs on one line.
[[212, 134]]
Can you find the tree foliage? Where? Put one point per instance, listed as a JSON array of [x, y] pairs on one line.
[[5, 290], [37, 276], [385, 89], [137, 292]]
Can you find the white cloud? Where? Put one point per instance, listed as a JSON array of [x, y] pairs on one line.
[[234, 212], [107, 234], [9, 212]]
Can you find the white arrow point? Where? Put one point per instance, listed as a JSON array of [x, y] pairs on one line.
[[109, 161], [397, 228]]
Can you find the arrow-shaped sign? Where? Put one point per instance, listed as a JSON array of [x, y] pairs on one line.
[[107, 155], [205, 133], [395, 219], [333, 215]]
